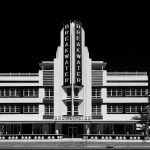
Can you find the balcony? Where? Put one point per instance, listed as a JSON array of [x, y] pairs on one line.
[[48, 100], [69, 87], [76, 99]]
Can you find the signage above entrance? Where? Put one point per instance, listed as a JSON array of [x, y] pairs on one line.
[[73, 118]]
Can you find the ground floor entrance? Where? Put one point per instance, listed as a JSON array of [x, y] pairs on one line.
[[72, 130]]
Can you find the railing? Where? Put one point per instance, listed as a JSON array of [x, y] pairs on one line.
[[113, 136], [126, 73], [30, 136], [19, 74]]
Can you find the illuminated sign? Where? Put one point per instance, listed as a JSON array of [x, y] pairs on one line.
[[67, 53], [78, 53]]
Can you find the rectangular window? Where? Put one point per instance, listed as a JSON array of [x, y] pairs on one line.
[[136, 92], [135, 108], [2, 92], [69, 109], [49, 92], [7, 92], [17, 92], [30, 92], [144, 92], [11, 92], [96, 109], [96, 92], [114, 108], [49, 109], [9, 109], [76, 109], [30, 109], [113, 92]]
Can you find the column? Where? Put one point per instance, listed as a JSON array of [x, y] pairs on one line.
[[56, 128], [87, 128]]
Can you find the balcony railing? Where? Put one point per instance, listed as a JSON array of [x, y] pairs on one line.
[[60, 136], [18, 74], [126, 73]]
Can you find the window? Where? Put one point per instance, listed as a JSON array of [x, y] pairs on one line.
[[9, 109], [114, 109], [96, 92], [76, 109], [17, 92], [69, 109], [96, 109], [114, 92], [31, 92], [136, 92], [49, 92], [7, 92], [10, 92], [135, 108], [49, 109], [30, 109], [2, 92]]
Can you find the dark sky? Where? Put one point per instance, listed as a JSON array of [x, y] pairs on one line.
[[119, 37]]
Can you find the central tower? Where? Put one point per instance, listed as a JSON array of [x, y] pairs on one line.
[[73, 53], [73, 63], [72, 72]]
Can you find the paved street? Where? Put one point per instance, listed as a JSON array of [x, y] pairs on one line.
[[74, 144]]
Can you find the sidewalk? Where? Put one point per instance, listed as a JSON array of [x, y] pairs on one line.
[[74, 144]]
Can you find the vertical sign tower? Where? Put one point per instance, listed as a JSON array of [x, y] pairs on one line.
[[72, 59], [78, 53], [67, 53]]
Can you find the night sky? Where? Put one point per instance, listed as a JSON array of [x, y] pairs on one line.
[[118, 37]]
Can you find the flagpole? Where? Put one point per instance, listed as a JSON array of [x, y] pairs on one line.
[[72, 75]]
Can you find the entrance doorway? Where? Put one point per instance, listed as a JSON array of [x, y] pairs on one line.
[[26, 128], [119, 129], [72, 131]]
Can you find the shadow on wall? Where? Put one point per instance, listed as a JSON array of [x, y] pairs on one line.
[[142, 117], [144, 121]]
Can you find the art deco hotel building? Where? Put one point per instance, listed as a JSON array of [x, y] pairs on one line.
[[72, 96]]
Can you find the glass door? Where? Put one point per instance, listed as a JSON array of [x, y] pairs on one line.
[[72, 131]]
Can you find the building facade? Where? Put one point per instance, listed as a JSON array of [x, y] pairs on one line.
[[72, 95]]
